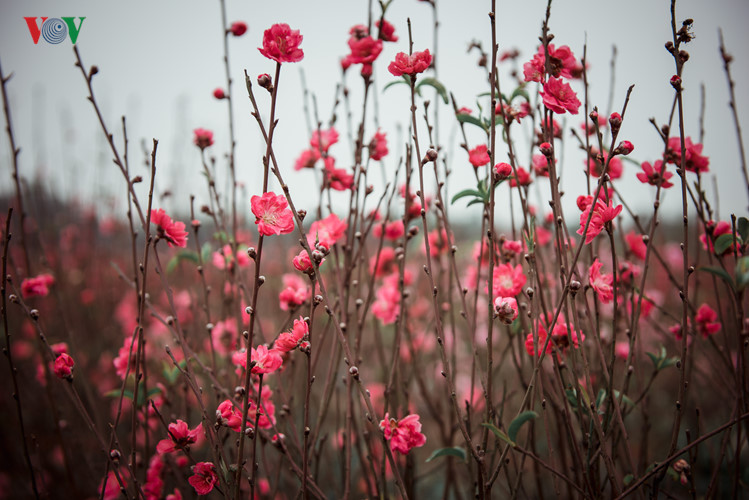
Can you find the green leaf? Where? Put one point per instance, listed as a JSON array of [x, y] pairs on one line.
[[719, 273], [501, 435], [654, 359], [182, 255], [472, 120], [571, 397], [628, 479], [515, 425], [520, 91], [221, 236], [115, 393], [742, 227], [455, 451], [723, 243], [433, 82], [170, 373], [405, 80], [464, 193], [476, 201], [742, 273], [206, 251], [625, 399]]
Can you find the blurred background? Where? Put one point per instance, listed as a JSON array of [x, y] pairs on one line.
[[159, 63]]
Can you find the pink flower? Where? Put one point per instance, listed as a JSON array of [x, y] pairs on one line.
[[172, 231], [225, 258], [541, 165], [322, 140], [602, 214], [64, 366], [506, 309], [281, 44], [266, 360], [624, 148], [479, 156], [202, 138], [326, 231], [288, 341], [464, 111], [695, 162], [635, 245], [338, 179], [302, 262], [392, 230], [508, 280], [707, 321], [387, 305], [403, 434], [601, 283], [38, 286], [224, 336], [204, 477], [559, 337], [655, 174], [404, 64], [523, 178], [559, 97], [219, 93], [364, 50], [387, 31], [561, 60], [378, 146], [238, 28], [229, 416], [295, 292], [179, 437], [272, 214], [307, 159]]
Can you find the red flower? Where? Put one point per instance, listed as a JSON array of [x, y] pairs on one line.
[[404, 64], [403, 434], [378, 146], [508, 280], [281, 44], [204, 477], [387, 306], [37, 286], [179, 437], [695, 162], [203, 138], [602, 214], [219, 93], [715, 230], [387, 31], [601, 283], [561, 60], [655, 174], [172, 231], [64, 366], [479, 156], [364, 50], [707, 321], [559, 337], [503, 170], [288, 341], [238, 28], [272, 214], [559, 97]]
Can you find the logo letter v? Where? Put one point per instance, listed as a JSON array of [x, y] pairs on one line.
[[72, 30], [34, 29]]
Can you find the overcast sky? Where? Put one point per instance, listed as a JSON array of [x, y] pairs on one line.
[[160, 61]]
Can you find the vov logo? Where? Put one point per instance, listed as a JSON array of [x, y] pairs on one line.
[[54, 29]]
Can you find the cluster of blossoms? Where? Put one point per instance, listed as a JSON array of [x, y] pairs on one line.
[[556, 94], [561, 337], [38, 286]]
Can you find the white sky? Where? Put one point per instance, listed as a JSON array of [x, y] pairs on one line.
[[160, 61]]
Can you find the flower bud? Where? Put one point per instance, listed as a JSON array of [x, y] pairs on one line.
[[238, 28], [676, 82], [265, 81], [219, 93], [615, 120], [624, 148], [546, 149], [502, 170]]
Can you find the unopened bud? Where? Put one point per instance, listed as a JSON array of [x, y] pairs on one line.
[[265, 81], [546, 149]]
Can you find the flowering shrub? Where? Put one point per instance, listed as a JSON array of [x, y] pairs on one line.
[[530, 349]]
